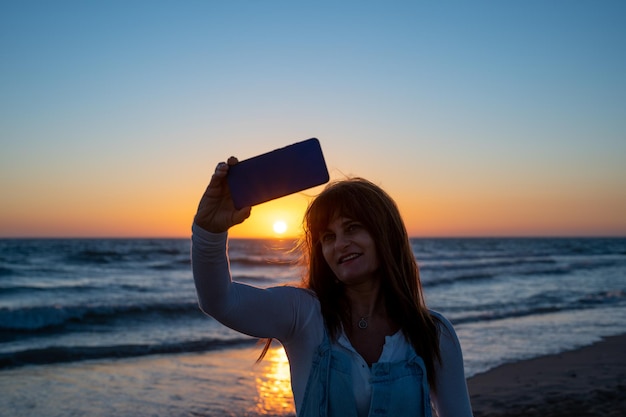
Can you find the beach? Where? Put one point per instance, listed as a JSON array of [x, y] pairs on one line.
[[586, 382]]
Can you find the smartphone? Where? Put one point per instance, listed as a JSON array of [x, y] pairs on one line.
[[277, 173]]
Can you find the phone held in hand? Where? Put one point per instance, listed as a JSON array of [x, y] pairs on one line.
[[277, 173]]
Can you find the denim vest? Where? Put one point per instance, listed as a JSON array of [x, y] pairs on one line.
[[399, 389]]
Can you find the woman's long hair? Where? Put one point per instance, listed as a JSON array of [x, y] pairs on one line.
[[365, 202]]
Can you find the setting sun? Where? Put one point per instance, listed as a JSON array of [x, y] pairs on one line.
[[280, 227], [281, 218]]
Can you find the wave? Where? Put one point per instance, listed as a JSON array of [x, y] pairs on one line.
[[447, 274], [465, 275], [41, 287], [539, 305], [55, 318], [605, 297], [91, 256], [59, 354], [99, 257], [484, 316], [260, 261], [469, 277], [482, 262], [5, 272], [173, 265]]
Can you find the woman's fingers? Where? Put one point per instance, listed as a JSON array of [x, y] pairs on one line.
[[216, 211], [241, 215]]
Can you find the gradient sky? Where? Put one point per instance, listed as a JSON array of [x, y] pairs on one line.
[[486, 118]]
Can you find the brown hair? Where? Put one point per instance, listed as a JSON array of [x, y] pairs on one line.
[[365, 202]]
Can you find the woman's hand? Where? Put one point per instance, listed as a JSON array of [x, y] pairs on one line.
[[216, 211]]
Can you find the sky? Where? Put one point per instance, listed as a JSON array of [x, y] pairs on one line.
[[482, 118]]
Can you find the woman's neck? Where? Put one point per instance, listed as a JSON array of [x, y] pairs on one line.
[[366, 300]]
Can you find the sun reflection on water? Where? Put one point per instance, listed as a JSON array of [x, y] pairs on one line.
[[273, 385]]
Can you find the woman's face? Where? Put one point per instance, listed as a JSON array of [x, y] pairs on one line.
[[349, 250]]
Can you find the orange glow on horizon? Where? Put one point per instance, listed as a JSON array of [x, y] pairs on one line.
[[260, 224], [507, 214], [428, 212]]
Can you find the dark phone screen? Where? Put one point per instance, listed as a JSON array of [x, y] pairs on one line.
[[277, 173]]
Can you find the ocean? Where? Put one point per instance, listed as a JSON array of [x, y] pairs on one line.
[[112, 326]]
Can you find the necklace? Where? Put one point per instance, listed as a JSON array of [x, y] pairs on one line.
[[363, 322]]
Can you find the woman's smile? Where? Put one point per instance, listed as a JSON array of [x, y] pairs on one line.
[[349, 257]]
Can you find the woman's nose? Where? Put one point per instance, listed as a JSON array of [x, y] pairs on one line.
[[341, 241]]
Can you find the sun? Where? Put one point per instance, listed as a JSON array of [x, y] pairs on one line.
[[280, 227]]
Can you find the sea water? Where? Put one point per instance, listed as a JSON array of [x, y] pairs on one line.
[[69, 306]]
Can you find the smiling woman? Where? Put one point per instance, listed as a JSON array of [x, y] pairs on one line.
[[360, 289]]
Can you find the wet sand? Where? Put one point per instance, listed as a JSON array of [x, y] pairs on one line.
[[586, 382], [590, 381]]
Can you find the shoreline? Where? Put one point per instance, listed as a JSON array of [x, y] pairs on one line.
[[589, 381]]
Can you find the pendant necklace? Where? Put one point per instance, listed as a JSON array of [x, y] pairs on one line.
[[363, 322]]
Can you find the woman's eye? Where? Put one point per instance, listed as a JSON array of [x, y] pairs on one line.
[[327, 237], [352, 227]]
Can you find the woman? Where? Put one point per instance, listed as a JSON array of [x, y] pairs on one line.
[[359, 338]]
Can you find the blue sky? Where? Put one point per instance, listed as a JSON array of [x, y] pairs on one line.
[[480, 118]]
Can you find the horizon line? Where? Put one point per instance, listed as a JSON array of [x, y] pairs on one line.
[[512, 236]]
